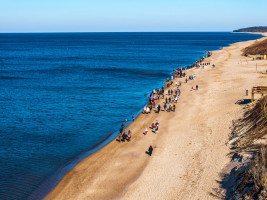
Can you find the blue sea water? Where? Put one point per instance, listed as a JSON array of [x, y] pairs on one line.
[[62, 93]]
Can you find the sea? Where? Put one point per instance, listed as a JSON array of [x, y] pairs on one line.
[[64, 95]]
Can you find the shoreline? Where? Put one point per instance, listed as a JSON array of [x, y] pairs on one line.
[[52, 181], [49, 184], [113, 146]]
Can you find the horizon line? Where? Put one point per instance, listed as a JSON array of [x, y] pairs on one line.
[[118, 32]]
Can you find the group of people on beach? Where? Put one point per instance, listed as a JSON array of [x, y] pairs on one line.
[[171, 97], [124, 135], [170, 100], [203, 65], [208, 53], [154, 127]]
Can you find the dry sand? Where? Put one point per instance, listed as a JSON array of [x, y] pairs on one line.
[[189, 150]]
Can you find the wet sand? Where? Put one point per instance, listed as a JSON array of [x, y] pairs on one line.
[[189, 149]]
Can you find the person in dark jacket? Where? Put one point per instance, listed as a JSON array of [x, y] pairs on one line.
[[150, 149]]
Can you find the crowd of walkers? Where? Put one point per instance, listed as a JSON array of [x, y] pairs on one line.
[[170, 98], [203, 65]]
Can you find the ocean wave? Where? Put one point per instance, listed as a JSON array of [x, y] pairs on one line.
[[13, 78]]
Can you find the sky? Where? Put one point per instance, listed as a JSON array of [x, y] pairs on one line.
[[130, 16]]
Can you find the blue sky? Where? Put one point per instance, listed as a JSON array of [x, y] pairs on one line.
[[125, 15]]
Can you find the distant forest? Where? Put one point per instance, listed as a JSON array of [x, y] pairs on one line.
[[253, 29]]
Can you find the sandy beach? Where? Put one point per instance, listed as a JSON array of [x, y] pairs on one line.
[[190, 153]]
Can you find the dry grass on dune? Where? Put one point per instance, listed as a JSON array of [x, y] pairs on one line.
[[259, 47], [250, 128], [248, 179], [248, 137], [251, 180]]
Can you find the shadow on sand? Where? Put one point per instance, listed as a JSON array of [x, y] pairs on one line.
[[243, 101]]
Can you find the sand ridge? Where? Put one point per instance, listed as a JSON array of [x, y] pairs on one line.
[[189, 149]]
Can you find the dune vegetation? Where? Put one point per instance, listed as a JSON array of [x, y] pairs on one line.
[[248, 146], [259, 47]]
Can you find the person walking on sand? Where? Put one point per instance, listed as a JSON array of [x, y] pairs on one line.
[[166, 100], [133, 117], [119, 137], [146, 131], [176, 99], [147, 110], [196, 87], [129, 136], [170, 108], [156, 129], [165, 107], [150, 150], [176, 83], [144, 111], [173, 107], [186, 80], [158, 108], [124, 135], [153, 125]]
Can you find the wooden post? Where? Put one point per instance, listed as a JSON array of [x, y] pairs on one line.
[[246, 92]]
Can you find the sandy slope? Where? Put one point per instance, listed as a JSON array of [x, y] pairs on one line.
[[189, 150]]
